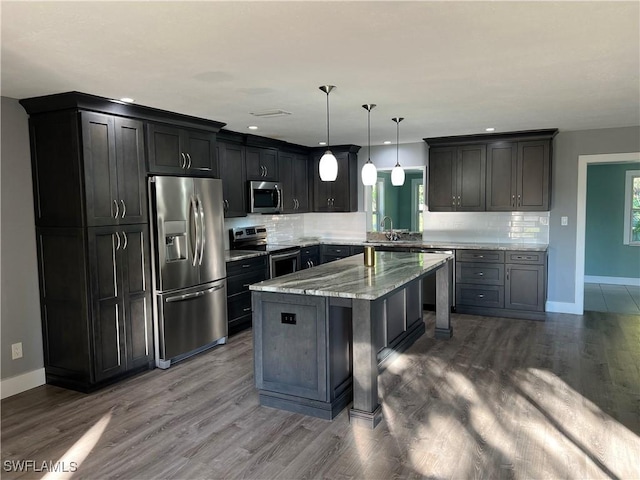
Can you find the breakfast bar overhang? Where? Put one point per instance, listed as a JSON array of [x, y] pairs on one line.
[[321, 334]]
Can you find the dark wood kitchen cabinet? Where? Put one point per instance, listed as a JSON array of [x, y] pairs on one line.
[[241, 274], [262, 164], [340, 195], [234, 184], [121, 299], [501, 283], [181, 151], [518, 176], [293, 172], [457, 178], [96, 303], [309, 256]]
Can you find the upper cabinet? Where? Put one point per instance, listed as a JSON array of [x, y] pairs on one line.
[[232, 170], [262, 164], [293, 172], [181, 151], [342, 194], [494, 172], [456, 178]]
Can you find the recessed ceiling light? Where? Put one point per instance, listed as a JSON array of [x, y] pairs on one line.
[[387, 142], [490, 129], [252, 127], [127, 100], [322, 143]]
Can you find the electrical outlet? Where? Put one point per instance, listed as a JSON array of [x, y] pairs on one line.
[[16, 351], [544, 220], [564, 221]]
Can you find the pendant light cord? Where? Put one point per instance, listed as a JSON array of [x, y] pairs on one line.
[[328, 141], [369, 130], [398, 143]]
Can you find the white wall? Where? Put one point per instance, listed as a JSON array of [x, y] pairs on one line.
[[20, 321]]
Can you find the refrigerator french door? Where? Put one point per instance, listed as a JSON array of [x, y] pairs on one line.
[[190, 270]]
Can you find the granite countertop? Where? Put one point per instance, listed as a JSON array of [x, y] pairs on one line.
[[349, 278], [234, 255]]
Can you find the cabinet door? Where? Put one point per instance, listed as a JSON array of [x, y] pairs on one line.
[[262, 164], [287, 182], [200, 150], [501, 176], [108, 314], [100, 170], [340, 191], [470, 178], [136, 293], [233, 179], [533, 175], [525, 287], [321, 190], [132, 188], [301, 183], [269, 160], [442, 181], [165, 149]]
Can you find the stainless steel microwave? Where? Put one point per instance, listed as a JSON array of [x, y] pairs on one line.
[[265, 197]]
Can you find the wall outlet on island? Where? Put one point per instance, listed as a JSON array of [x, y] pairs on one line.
[[564, 221], [16, 351]]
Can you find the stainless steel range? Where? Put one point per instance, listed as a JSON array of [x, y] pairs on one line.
[[283, 259]]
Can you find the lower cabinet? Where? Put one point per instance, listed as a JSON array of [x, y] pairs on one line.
[[96, 304], [241, 274], [330, 253], [498, 283], [309, 256]]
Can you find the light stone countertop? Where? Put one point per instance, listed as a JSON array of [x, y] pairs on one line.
[[234, 255], [349, 278]]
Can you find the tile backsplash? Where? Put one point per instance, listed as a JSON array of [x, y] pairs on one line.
[[500, 227]]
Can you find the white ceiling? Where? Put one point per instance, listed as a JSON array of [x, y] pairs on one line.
[[448, 67]]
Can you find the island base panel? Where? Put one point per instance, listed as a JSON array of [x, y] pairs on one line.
[[306, 406]]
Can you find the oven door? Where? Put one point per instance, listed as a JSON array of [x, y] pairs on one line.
[[284, 263], [265, 197]]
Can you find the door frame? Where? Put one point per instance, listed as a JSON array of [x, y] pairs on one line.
[[581, 219]]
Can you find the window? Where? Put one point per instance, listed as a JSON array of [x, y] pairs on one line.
[[417, 204], [632, 208], [377, 210]]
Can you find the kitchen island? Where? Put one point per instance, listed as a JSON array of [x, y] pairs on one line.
[[321, 334]]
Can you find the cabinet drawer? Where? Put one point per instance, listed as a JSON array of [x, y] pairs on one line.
[[490, 256], [239, 305], [531, 258], [480, 273], [239, 267], [337, 250], [240, 283], [357, 249], [310, 251], [480, 295]]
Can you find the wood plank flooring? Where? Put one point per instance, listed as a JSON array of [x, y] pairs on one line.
[[502, 399]]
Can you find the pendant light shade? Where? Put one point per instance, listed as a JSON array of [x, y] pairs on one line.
[[369, 172], [328, 168], [397, 174]]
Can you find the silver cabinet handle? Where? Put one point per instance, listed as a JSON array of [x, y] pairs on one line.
[[126, 241], [187, 296], [183, 163], [124, 208], [480, 296], [508, 269], [266, 171], [225, 205], [453, 202], [245, 265], [115, 215], [312, 264], [248, 309], [480, 274], [189, 159], [519, 201], [458, 200], [118, 237], [513, 200]]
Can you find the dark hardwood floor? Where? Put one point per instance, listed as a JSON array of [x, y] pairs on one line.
[[502, 399]]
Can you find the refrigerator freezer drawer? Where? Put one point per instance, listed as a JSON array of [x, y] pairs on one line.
[[191, 319]]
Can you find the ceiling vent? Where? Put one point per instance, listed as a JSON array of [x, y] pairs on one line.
[[270, 113]]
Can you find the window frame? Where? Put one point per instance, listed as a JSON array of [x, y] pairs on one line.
[[628, 208]]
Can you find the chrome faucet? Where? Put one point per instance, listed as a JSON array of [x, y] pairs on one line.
[[390, 234]]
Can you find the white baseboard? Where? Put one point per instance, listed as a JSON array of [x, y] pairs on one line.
[[21, 383], [564, 307], [612, 280]]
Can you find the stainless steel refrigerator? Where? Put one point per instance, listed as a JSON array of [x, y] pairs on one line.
[[189, 269]]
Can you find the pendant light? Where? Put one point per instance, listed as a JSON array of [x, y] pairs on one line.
[[369, 172], [397, 174], [328, 167]]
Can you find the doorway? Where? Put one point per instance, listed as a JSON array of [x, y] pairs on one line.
[[583, 162]]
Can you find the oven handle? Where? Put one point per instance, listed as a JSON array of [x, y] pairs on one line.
[[288, 254]]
